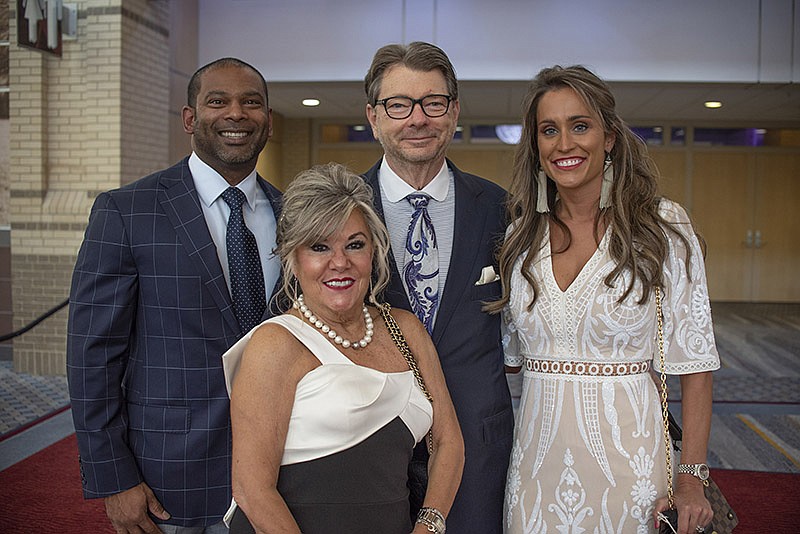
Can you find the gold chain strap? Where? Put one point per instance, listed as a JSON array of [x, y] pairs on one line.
[[664, 405], [402, 345]]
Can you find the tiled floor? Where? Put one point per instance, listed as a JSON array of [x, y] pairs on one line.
[[25, 398], [756, 423]]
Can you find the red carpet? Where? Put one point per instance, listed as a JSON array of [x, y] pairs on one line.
[[764, 502], [42, 494]]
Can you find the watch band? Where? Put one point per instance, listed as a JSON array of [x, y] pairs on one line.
[[432, 519], [696, 470]]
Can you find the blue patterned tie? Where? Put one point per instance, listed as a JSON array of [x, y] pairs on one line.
[[244, 264], [421, 272]]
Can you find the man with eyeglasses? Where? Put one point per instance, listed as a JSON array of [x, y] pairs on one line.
[[444, 226]]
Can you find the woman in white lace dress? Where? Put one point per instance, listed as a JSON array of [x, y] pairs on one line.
[[588, 244]]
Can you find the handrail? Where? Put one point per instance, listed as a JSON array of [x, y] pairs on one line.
[[6, 337]]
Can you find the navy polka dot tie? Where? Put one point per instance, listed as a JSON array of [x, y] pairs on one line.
[[244, 264], [421, 271]]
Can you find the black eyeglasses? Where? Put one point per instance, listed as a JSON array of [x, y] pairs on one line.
[[401, 107]]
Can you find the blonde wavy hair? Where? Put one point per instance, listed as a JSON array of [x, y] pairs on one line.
[[316, 205]]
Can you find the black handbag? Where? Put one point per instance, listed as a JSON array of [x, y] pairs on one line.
[[725, 519], [417, 481]]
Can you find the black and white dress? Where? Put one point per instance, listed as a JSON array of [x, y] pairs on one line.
[[349, 443]]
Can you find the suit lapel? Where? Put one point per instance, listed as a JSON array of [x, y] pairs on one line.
[[467, 228], [274, 197], [181, 204], [395, 293]]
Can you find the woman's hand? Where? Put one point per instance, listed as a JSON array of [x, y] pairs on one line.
[[694, 510], [659, 506]]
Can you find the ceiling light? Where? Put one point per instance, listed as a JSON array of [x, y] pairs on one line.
[[310, 102], [359, 128], [713, 104]]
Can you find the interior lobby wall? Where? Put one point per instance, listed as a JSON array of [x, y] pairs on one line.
[[89, 121]]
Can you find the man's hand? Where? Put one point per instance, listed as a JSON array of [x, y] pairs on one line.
[[128, 510]]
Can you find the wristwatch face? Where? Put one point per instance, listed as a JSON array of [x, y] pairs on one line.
[[697, 470], [702, 471]]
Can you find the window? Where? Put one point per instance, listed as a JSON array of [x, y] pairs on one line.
[[729, 136], [652, 135]]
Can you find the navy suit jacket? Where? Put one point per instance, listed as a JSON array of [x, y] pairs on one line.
[[150, 317], [468, 343]]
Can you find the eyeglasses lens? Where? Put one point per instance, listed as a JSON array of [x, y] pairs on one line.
[[400, 107]]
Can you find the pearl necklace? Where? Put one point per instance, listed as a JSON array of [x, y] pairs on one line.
[[300, 305]]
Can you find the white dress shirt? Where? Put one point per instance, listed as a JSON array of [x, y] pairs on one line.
[[257, 211], [397, 213]]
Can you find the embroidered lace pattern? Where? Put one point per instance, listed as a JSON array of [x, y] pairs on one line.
[[587, 454]]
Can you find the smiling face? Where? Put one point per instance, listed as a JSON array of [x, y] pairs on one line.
[[230, 122], [334, 273], [418, 138], [572, 142]]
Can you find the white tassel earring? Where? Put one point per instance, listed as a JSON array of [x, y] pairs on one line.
[[608, 182], [541, 186]]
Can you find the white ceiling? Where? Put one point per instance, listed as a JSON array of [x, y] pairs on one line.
[[661, 67], [769, 105]]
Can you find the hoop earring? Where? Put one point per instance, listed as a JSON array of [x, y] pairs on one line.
[[608, 182], [541, 195]]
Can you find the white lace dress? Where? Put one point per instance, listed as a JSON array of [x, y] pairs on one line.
[[588, 453]]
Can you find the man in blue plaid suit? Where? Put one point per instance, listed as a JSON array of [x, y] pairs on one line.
[[151, 315]]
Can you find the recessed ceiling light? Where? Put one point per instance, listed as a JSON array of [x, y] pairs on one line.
[[713, 104], [310, 102]]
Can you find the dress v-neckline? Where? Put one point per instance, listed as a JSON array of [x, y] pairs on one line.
[[582, 272]]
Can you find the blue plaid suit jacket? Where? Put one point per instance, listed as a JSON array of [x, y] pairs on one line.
[[468, 343], [150, 316]]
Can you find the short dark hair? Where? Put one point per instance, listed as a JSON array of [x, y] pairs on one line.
[[194, 82], [416, 56]]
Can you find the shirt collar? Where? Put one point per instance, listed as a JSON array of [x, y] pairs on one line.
[[396, 189], [210, 184]]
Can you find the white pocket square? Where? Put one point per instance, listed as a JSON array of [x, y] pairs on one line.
[[487, 276]]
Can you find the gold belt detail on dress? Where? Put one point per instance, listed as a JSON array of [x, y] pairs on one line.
[[558, 367]]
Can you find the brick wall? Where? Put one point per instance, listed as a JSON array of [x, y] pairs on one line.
[[6, 310], [42, 286], [144, 74], [90, 121]]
